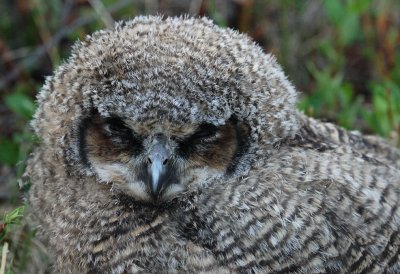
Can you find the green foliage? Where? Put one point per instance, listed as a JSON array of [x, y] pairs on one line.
[[8, 151], [355, 31], [385, 114], [20, 103], [16, 148], [12, 218], [344, 16], [18, 238]]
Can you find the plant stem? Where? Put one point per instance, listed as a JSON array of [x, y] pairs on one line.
[[4, 258]]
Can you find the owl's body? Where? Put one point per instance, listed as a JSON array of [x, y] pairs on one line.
[[175, 146]]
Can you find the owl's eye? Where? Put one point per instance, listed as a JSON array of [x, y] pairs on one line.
[[115, 126], [205, 131], [205, 134]]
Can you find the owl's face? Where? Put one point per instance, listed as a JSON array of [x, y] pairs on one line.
[[154, 161], [159, 108]]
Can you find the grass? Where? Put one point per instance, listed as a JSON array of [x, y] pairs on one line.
[[343, 55]]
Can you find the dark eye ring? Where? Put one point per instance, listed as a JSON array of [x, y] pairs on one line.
[[205, 131], [116, 126]]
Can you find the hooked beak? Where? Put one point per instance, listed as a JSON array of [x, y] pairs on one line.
[[158, 157]]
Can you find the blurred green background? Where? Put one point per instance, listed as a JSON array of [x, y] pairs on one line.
[[343, 56]]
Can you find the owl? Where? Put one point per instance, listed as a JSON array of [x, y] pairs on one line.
[[170, 145]]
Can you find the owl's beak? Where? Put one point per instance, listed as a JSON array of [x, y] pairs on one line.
[[158, 157]]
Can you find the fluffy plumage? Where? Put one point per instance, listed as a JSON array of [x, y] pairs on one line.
[[264, 189]]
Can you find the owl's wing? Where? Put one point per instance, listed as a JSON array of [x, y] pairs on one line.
[[370, 146], [310, 208]]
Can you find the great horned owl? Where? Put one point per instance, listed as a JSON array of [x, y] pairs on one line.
[[172, 145]]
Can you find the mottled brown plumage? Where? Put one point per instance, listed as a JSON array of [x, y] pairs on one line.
[[175, 146]]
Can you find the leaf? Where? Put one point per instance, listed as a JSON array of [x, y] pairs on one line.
[[21, 103], [381, 105], [334, 10], [360, 6], [8, 152], [15, 216], [394, 103], [349, 29]]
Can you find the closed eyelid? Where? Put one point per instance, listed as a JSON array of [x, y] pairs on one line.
[[116, 121], [204, 130]]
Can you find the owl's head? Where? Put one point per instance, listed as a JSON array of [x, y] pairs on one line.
[[159, 108]]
